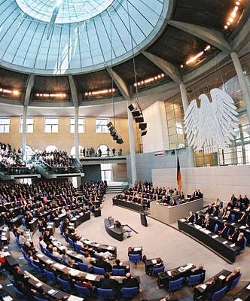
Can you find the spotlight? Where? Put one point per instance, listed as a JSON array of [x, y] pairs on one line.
[[109, 124], [115, 137], [143, 125], [143, 133], [136, 113], [113, 133], [139, 119], [112, 129]]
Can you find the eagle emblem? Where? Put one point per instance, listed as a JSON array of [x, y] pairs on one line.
[[212, 125]]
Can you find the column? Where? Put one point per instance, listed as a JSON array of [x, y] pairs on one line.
[[242, 82], [76, 134], [132, 146], [184, 98], [24, 128]]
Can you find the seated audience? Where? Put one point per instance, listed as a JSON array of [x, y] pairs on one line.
[[130, 281]]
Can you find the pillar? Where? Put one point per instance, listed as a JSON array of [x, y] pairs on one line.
[[184, 98], [76, 133], [24, 128]]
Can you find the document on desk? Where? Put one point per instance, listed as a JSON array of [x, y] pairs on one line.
[[110, 248], [169, 273], [154, 261], [232, 245], [74, 298], [215, 236], [73, 272], [39, 284], [207, 231], [225, 242], [52, 292], [111, 227], [243, 227], [248, 287], [137, 249], [7, 298], [222, 277], [203, 286], [238, 299], [90, 277], [182, 220]]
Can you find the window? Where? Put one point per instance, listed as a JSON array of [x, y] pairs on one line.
[[51, 125], [81, 125], [101, 125], [4, 125], [29, 125]]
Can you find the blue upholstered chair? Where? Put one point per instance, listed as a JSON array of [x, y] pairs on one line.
[[234, 283], [64, 284], [82, 290], [83, 267], [175, 285], [195, 279], [106, 293], [134, 258], [118, 272], [98, 271], [219, 294], [129, 292], [156, 270], [50, 276]]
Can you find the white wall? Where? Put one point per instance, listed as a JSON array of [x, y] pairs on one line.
[[214, 182], [157, 135]]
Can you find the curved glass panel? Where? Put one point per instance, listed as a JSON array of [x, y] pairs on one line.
[[68, 11], [117, 30]]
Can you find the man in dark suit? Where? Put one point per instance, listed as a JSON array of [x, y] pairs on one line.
[[199, 270], [110, 283], [212, 286], [230, 278], [129, 281], [101, 263], [223, 232]]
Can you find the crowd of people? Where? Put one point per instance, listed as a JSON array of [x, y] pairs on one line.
[[91, 152], [228, 221], [10, 157], [143, 192]]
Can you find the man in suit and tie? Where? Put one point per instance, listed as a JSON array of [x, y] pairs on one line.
[[129, 281]]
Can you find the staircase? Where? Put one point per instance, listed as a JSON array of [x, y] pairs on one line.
[[116, 187]]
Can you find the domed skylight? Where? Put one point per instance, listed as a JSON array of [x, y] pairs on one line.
[[75, 36]]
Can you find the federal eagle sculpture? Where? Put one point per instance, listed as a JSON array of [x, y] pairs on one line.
[[212, 125]]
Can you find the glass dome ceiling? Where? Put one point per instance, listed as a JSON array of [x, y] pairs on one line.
[[73, 36], [69, 11]]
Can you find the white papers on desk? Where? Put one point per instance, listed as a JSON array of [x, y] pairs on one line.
[[215, 217], [248, 287], [207, 231], [189, 223], [137, 249], [39, 255], [232, 245], [111, 227], [73, 272], [154, 261], [203, 286], [7, 298], [225, 242], [39, 284], [6, 254], [49, 261], [233, 224], [52, 292], [222, 277], [198, 226], [182, 220], [109, 248], [243, 227], [238, 299], [74, 298], [90, 277], [169, 273], [215, 236], [59, 266]]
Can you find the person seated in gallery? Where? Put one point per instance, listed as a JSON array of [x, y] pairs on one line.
[[216, 211], [190, 217], [233, 237], [173, 202], [240, 242], [210, 209], [243, 219], [239, 206], [213, 285], [230, 206], [223, 232], [118, 265], [246, 200], [231, 277], [130, 281], [199, 220]]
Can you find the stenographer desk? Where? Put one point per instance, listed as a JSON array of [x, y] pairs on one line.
[[221, 246], [116, 233], [171, 214]]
